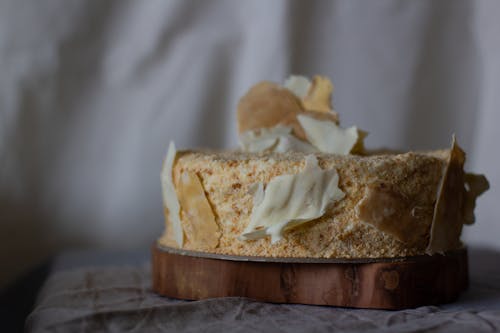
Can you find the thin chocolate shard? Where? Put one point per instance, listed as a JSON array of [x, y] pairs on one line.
[[199, 224], [267, 105], [447, 221], [173, 228], [291, 200], [475, 185], [359, 146], [319, 96], [392, 213], [168, 236]]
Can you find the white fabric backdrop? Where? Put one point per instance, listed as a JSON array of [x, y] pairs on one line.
[[92, 91]]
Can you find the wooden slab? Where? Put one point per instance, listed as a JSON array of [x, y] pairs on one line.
[[376, 283]]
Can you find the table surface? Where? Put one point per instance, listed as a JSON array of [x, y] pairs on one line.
[[111, 291]]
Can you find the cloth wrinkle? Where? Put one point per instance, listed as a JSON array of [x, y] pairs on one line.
[[113, 298]]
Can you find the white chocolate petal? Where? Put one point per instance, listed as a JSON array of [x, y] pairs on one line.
[[327, 136], [278, 139], [298, 84], [291, 200], [170, 200]]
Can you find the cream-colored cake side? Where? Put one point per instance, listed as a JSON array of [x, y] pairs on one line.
[[227, 179]]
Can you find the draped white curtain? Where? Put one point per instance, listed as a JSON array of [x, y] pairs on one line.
[[91, 92]]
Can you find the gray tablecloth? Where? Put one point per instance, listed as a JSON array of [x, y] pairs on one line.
[[118, 298]]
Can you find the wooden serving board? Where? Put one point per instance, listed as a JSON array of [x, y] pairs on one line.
[[361, 283]]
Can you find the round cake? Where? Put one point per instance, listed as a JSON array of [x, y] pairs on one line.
[[302, 186]]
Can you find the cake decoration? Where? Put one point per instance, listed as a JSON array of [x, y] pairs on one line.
[[199, 224], [299, 85], [447, 220], [319, 95], [328, 137], [173, 230], [267, 105], [277, 139], [475, 185], [295, 117], [288, 201], [390, 211]]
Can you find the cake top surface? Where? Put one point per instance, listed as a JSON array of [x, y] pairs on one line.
[[298, 156]]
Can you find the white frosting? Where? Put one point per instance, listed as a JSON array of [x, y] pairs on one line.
[[327, 136], [170, 199], [291, 200], [299, 85], [278, 139]]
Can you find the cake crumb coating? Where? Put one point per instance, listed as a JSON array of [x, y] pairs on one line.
[[227, 177]]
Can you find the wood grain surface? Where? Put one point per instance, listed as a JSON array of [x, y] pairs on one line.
[[382, 284]]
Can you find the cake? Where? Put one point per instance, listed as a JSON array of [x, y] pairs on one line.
[[302, 186]]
